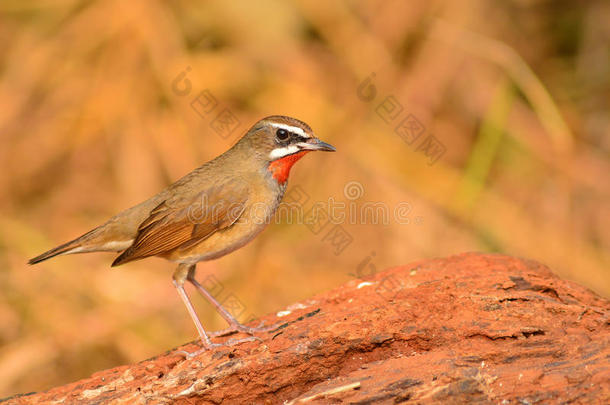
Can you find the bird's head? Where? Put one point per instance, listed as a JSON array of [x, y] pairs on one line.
[[279, 141]]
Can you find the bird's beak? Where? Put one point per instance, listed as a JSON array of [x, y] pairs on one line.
[[316, 144]]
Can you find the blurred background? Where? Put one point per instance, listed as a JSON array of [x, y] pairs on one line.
[[479, 125]]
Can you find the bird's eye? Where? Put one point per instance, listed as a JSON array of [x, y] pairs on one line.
[[282, 134]]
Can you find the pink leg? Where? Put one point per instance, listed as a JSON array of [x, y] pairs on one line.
[[179, 277], [234, 325]]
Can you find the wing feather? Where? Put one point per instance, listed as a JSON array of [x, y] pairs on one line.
[[183, 223]]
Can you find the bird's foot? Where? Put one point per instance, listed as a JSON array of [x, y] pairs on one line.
[[238, 327], [209, 346]]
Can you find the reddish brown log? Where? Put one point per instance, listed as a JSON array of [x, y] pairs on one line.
[[468, 328]]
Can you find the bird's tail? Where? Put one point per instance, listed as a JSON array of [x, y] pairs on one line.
[[74, 246], [66, 248]]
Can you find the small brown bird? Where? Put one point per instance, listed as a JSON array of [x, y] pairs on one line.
[[212, 211]]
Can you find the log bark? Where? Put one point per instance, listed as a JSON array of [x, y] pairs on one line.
[[464, 329]]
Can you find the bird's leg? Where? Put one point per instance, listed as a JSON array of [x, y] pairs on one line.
[[234, 325], [180, 276]]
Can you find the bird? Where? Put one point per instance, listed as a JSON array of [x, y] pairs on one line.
[[212, 211]]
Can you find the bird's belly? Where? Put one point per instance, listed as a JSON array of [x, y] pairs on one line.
[[247, 227], [218, 245]]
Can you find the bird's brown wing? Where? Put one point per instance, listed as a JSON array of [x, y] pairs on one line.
[[182, 223]]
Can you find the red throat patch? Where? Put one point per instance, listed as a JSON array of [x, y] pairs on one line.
[[280, 168]]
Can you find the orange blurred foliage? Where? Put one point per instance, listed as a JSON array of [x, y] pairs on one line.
[[97, 114]]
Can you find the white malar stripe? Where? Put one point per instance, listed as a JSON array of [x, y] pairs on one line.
[[283, 151], [290, 128]]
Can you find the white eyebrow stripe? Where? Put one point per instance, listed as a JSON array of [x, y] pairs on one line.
[[290, 128], [283, 151]]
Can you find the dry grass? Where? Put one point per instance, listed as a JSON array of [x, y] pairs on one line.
[[90, 124]]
